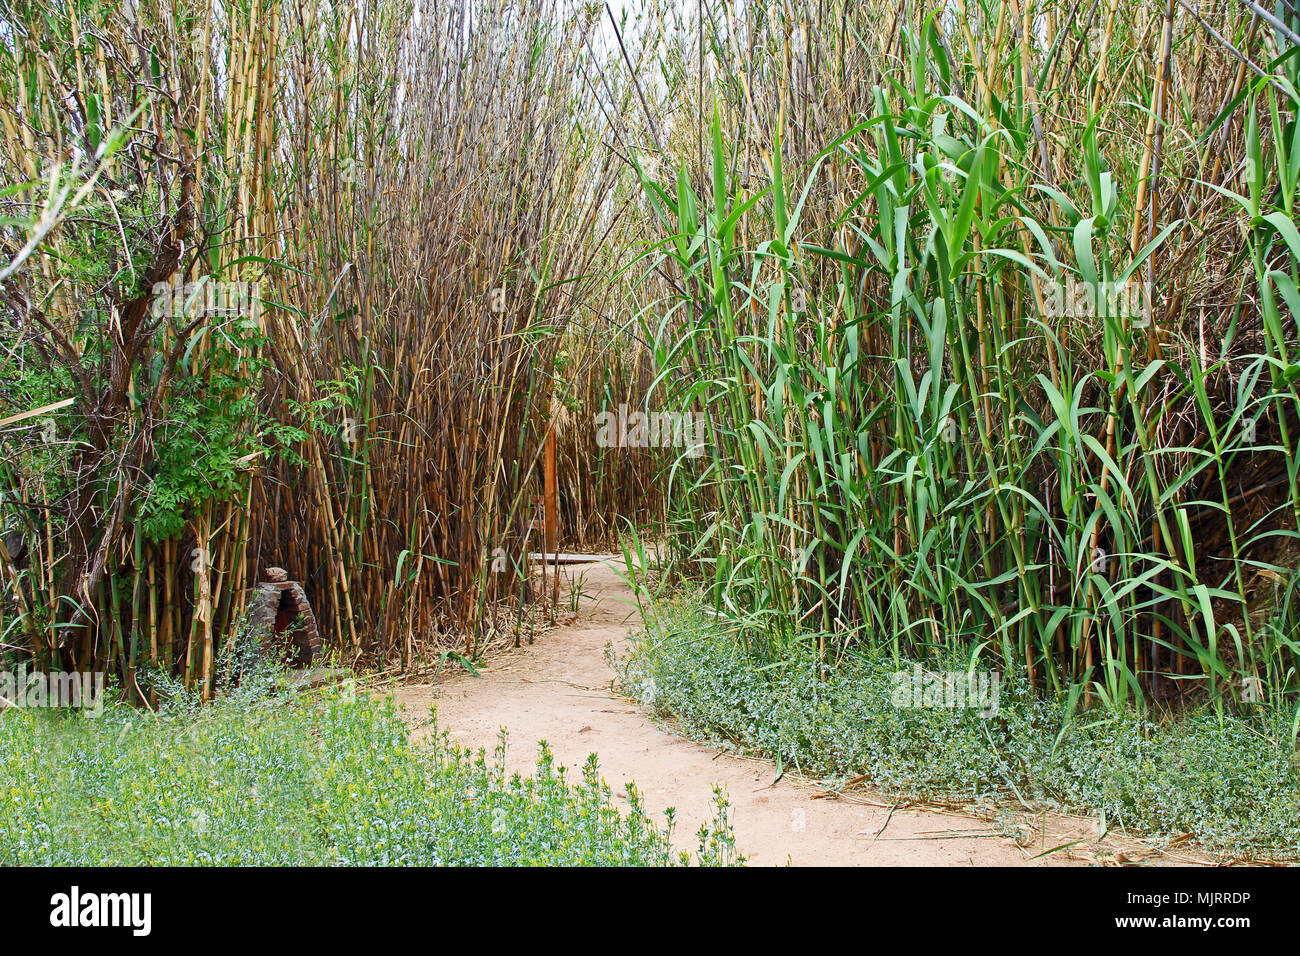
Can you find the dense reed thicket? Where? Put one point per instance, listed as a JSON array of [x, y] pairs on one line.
[[989, 309], [404, 197]]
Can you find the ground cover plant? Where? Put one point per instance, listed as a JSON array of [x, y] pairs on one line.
[[1231, 782], [322, 780]]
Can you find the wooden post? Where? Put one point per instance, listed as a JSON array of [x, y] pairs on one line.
[[551, 534], [552, 498]]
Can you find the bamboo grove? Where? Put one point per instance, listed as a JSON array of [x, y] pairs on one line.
[[407, 197], [988, 306]]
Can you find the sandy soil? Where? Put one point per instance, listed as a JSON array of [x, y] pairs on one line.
[[559, 690]]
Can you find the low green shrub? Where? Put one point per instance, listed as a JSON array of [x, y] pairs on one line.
[[319, 780], [1233, 782]]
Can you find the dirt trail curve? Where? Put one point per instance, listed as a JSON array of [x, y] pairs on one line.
[[559, 690]]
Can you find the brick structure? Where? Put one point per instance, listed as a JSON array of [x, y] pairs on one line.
[[281, 615]]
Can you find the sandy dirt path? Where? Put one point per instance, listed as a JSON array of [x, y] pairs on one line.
[[559, 690]]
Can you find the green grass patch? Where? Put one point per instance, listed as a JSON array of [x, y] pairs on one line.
[[1233, 782], [320, 779]]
